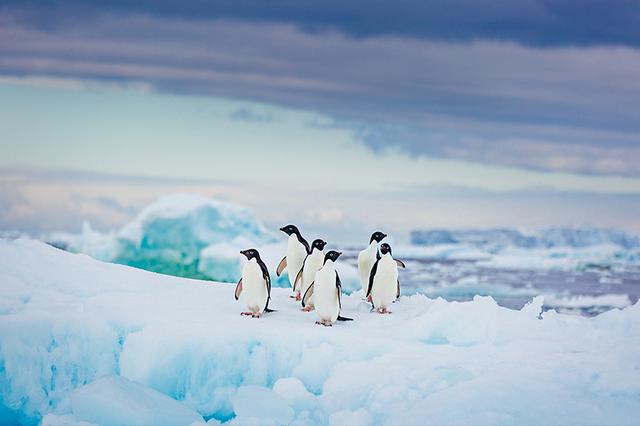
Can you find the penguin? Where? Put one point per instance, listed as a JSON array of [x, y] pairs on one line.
[[326, 290], [367, 257], [384, 286], [312, 263], [297, 251], [256, 284]]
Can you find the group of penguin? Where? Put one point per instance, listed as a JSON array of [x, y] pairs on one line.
[[314, 278]]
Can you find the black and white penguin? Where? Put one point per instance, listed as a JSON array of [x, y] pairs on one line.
[[255, 284], [326, 291], [297, 251], [367, 257], [384, 286], [312, 263]]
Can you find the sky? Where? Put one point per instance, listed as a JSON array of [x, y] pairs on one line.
[[340, 116]]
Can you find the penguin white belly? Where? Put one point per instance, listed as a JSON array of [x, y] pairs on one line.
[[254, 287], [385, 283], [311, 266], [296, 253], [366, 259], [325, 295]]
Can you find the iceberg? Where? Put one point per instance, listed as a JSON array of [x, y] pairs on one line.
[[79, 337], [183, 235]]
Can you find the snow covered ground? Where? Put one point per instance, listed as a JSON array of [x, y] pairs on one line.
[[86, 341]]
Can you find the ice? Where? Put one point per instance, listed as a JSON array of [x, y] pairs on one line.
[[79, 336], [542, 238], [113, 400], [552, 248], [257, 405], [182, 234], [609, 300]]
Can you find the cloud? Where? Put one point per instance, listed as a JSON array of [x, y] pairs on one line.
[[244, 114], [42, 202], [490, 100], [526, 22]]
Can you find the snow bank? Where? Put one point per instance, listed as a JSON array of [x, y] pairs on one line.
[[67, 320]]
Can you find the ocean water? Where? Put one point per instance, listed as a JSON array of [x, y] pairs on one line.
[[587, 291]]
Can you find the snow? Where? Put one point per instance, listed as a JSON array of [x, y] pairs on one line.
[[113, 400], [79, 338]]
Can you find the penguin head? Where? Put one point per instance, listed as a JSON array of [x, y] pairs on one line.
[[377, 237], [385, 248], [290, 229], [250, 254], [318, 244], [332, 256]]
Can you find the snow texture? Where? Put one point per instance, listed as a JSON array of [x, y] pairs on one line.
[[79, 338]]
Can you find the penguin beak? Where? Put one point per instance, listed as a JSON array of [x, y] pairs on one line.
[[383, 236], [244, 253], [283, 229], [339, 254]]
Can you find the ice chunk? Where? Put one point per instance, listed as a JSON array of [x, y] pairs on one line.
[[295, 393], [113, 400], [255, 405]]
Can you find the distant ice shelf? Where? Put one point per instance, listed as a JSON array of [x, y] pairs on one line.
[[541, 238]]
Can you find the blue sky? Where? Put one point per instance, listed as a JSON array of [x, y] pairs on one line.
[[508, 113]]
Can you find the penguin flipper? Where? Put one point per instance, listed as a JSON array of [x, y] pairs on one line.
[[298, 279], [343, 318], [371, 277], [398, 292], [238, 289], [400, 263], [307, 296], [281, 266], [339, 290]]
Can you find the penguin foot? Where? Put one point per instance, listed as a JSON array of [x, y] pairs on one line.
[[369, 299], [383, 311], [246, 313], [307, 309], [325, 323], [256, 315], [298, 297]]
